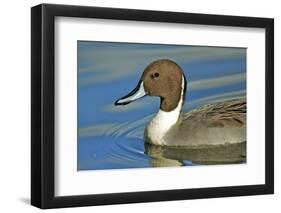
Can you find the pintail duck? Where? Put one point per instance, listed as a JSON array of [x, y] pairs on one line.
[[212, 124]]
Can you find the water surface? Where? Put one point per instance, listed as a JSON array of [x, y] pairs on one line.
[[111, 137]]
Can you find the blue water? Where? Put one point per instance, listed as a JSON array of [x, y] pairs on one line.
[[111, 137]]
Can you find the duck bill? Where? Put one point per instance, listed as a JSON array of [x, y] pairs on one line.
[[136, 94]]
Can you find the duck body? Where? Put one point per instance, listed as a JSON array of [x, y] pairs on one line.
[[213, 124]]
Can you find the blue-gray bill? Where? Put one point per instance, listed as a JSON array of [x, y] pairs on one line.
[[135, 94]]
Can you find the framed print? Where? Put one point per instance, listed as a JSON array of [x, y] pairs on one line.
[[140, 106]]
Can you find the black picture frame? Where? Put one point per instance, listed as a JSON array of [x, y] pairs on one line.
[[43, 102]]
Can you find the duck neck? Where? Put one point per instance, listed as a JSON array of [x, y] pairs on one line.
[[174, 101], [171, 107], [168, 118], [164, 120]]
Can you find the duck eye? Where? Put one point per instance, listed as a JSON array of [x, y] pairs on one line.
[[156, 74]]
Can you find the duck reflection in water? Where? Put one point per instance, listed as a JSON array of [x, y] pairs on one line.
[[163, 156]]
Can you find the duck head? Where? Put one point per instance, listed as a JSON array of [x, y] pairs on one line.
[[162, 78]]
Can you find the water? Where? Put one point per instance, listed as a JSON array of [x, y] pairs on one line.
[[111, 137]]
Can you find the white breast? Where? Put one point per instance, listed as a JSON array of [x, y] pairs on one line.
[[160, 125]]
